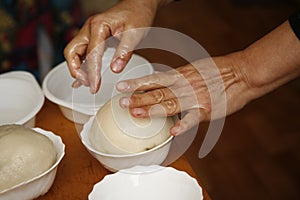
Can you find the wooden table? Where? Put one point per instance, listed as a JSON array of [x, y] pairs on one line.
[[79, 171]]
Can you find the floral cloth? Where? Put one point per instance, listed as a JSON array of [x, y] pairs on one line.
[[20, 21]]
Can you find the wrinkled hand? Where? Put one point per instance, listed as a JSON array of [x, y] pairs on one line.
[[194, 90], [200, 94], [89, 43]]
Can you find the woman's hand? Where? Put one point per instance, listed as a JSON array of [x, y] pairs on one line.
[[192, 90], [89, 43], [199, 92]]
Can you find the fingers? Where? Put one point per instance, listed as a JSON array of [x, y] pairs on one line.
[[76, 84], [148, 82], [149, 98], [164, 94], [92, 66], [74, 51], [120, 59], [159, 95], [81, 78], [167, 94], [90, 44], [99, 32], [190, 119], [168, 107], [129, 39]]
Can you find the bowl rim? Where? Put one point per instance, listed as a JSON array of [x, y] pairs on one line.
[[85, 131], [47, 93], [145, 170], [77, 107], [59, 156], [27, 76]]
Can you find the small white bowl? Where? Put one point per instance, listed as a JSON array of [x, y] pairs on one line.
[[38, 185], [78, 105], [113, 162], [21, 98], [147, 183]]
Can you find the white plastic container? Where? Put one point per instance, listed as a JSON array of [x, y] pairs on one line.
[[21, 98], [78, 104], [41, 184]]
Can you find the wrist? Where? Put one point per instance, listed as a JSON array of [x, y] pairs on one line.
[[248, 82], [238, 89], [273, 59]]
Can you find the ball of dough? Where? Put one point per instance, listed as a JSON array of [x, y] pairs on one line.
[[24, 155], [115, 131]]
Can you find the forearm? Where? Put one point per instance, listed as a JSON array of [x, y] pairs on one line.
[[273, 60], [260, 68]]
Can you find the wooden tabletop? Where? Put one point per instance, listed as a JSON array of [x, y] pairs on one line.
[[79, 171]]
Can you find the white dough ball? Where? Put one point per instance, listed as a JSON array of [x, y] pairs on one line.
[[24, 154], [115, 131]]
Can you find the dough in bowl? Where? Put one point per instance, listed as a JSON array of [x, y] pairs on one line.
[[115, 131], [24, 155]]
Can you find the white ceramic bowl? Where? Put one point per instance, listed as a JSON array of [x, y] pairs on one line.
[[38, 185], [79, 104], [112, 162], [21, 98], [147, 183]]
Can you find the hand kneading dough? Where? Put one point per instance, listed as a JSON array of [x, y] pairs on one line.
[[112, 128], [24, 154]]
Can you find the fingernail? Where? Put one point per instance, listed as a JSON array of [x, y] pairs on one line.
[[76, 84], [93, 89], [122, 86], [118, 65], [82, 79], [95, 84], [125, 102], [175, 130], [138, 112]]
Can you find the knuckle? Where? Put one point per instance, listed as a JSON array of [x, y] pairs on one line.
[[73, 73], [94, 19], [158, 95], [135, 100], [134, 85], [124, 52], [154, 78], [171, 106], [66, 52]]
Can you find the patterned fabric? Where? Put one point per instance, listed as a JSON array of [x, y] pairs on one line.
[[20, 21]]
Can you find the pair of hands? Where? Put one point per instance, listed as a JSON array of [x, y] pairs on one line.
[[90, 44], [243, 75]]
